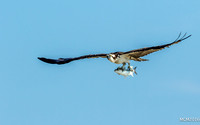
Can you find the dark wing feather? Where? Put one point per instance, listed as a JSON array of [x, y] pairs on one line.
[[134, 54], [67, 60]]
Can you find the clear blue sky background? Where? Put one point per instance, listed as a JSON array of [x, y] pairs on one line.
[[88, 92]]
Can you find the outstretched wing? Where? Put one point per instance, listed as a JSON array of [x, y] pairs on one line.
[[67, 60], [135, 54]]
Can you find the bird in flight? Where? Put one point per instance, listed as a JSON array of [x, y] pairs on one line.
[[118, 57]]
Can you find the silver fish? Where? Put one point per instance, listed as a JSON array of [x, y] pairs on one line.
[[126, 72]]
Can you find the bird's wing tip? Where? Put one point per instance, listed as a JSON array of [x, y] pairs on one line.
[[41, 58]]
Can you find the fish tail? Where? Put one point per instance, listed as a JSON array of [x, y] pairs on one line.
[[135, 70]]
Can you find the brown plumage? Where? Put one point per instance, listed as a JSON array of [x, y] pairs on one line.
[[67, 60], [118, 57]]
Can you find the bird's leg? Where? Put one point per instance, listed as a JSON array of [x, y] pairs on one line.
[[124, 64], [123, 67], [129, 66]]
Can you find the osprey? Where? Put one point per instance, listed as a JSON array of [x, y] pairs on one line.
[[118, 57]]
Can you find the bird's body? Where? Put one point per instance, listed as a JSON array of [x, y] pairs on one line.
[[118, 57]]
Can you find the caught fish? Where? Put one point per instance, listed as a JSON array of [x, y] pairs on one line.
[[126, 72]]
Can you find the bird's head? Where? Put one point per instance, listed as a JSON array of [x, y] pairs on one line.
[[113, 57]]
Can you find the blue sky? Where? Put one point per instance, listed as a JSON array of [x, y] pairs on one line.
[[88, 92]]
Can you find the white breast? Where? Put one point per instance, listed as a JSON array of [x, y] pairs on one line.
[[122, 59]]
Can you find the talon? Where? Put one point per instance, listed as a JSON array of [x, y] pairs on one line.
[[123, 68], [129, 66], [120, 68]]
